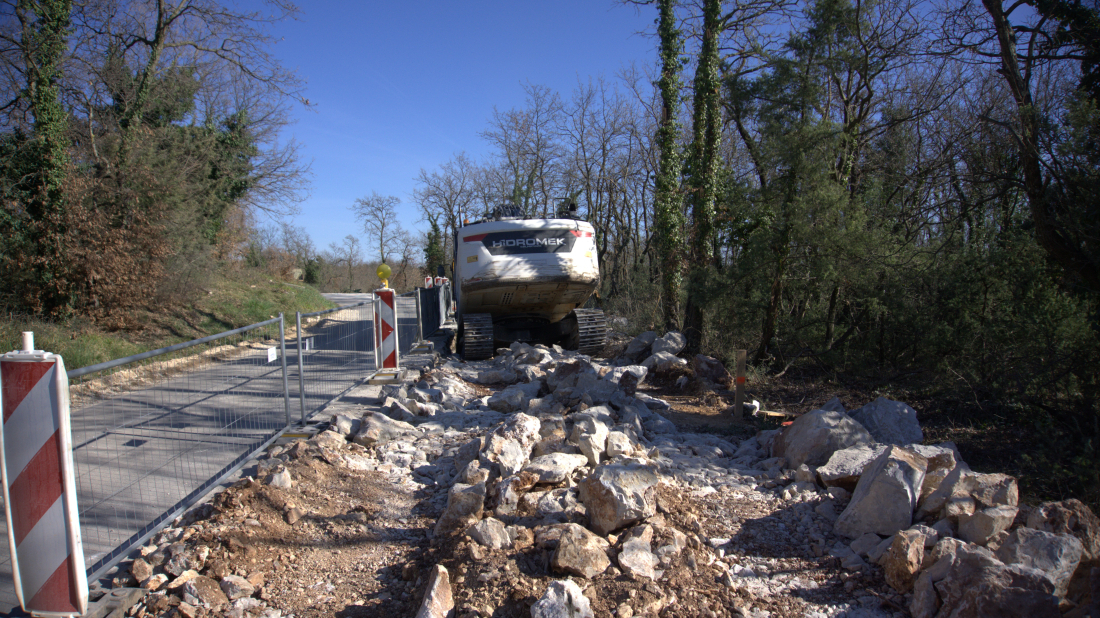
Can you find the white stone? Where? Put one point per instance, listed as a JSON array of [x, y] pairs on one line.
[[890, 422], [563, 599], [886, 495], [616, 495], [813, 437], [1057, 555]]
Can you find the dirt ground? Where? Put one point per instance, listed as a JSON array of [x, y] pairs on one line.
[[348, 543]]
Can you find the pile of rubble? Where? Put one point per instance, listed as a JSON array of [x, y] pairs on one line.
[[567, 493]]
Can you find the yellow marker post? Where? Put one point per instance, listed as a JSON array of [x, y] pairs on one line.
[[384, 273]]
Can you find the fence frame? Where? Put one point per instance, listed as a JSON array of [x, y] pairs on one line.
[[151, 528], [301, 363], [113, 557]]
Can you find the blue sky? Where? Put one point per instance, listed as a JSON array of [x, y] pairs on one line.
[[403, 85]]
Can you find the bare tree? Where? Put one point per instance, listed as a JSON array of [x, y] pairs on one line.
[[448, 195], [379, 216], [527, 148], [347, 253]]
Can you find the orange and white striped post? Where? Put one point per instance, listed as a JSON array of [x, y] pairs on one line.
[[386, 319], [36, 462]]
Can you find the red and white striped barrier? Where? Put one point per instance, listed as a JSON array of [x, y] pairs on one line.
[[36, 461], [386, 320]]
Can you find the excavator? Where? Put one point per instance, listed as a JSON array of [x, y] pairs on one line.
[[527, 279]]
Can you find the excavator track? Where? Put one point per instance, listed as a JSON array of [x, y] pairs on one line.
[[592, 330], [477, 336]]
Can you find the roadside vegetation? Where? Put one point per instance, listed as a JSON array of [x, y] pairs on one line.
[[231, 300]]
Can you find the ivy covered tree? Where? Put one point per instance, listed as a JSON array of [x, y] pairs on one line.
[[702, 171], [434, 256], [668, 213], [33, 260]]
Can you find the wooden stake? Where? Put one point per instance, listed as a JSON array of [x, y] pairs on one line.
[[739, 388]]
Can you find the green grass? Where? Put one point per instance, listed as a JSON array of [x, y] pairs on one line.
[[230, 300]]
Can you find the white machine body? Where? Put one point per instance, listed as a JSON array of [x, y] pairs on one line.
[[529, 267]]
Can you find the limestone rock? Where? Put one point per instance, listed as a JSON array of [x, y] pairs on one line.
[[496, 376], [663, 362], [580, 552], [963, 491], [590, 434], [141, 570], [206, 591], [884, 499], [710, 368], [379, 428], [671, 343], [563, 599], [866, 543], [509, 445], [639, 345], [236, 587], [346, 425], [1057, 555], [845, 466], [924, 602], [465, 504], [507, 401], [511, 489], [1069, 517], [491, 533], [903, 560], [812, 438], [555, 467], [617, 495], [636, 557], [619, 445], [983, 525], [977, 585], [438, 602], [281, 478], [890, 422]]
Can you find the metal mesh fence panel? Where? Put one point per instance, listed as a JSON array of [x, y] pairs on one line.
[[406, 323], [337, 352], [151, 437]]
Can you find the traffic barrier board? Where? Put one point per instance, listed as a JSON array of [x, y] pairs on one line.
[[36, 464]]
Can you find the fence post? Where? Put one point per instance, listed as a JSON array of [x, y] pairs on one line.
[[282, 354], [301, 372], [739, 385], [419, 318]]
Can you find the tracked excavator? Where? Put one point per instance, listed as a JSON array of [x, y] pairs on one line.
[[521, 279]]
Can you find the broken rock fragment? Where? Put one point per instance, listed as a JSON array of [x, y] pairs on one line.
[[886, 495], [617, 495], [465, 504], [509, 445], [379, 428], [903, 560], [1057, 555], [555, 467], [438, 601], [812, 438], [580, 552], [563, 599], [890, 422]]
